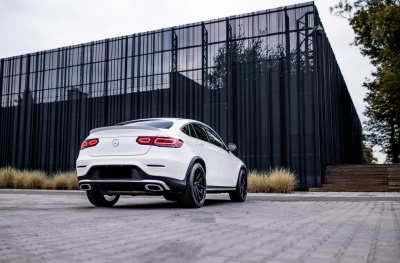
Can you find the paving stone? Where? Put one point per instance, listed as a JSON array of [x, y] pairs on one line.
[[300, 227]]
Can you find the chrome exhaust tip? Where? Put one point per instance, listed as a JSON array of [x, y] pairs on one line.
[[153, 188], [85, 187]]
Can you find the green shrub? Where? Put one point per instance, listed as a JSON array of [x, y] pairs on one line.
[[281, 180], [7, 177]]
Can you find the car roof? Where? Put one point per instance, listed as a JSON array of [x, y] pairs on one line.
[[176, 121]]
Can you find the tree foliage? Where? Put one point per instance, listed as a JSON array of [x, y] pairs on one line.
[[240, 55], [369, 155], [376, 24]]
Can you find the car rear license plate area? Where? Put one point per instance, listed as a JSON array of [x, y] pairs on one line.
[[115, 171]]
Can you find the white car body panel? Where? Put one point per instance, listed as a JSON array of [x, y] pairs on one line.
[[174, 166], [210, 155], [222, 167], [228, 168], [125, 139]]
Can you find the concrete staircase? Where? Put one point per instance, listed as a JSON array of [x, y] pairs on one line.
[[360, 178]]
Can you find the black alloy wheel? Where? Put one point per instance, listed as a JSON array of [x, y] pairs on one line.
[[240, 194], [194, 195], [98, 199]]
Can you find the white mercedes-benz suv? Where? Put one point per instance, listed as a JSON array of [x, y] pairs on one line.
[[180, 159]]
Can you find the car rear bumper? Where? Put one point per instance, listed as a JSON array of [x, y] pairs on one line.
[[127, 179], [160, 162]]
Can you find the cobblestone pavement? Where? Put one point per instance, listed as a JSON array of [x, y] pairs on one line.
[[60, 226]]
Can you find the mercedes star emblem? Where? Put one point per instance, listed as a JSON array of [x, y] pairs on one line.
[[115, 142]]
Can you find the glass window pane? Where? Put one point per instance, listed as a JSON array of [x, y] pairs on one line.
[[200, 133]]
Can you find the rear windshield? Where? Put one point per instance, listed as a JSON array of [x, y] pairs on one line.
[[162, 124]]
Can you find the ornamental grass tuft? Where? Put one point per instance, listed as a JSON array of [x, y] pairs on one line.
[[34, 179], [278, 180], [65, 181], [7, 177], [281, 180], [257, 182]]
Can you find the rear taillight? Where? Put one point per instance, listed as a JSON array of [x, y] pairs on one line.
[[160, 141], [89, 143], [167, 142]]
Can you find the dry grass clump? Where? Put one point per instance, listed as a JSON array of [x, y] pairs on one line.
[[278, 180], [7, 177], [19, 180], [281, 180], [257, 182], [49, 184], [34, 179], [60, 181], [65, 181], [26, 179]]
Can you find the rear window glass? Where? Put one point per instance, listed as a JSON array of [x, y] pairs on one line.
[[201, 134], [185, 129], [151, 123]]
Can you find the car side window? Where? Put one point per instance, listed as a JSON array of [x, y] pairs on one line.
[[201, 134], [214, 138], [186, 130]]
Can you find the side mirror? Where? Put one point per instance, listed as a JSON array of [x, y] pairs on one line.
[[231, 147]]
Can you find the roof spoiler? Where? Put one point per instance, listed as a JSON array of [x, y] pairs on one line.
[[133, 127]]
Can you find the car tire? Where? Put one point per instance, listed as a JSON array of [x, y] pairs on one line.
[[98, 199], [194, 195], [240, 194], [170, 197]]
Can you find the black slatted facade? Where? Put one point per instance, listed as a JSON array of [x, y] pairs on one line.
[[266, 81]]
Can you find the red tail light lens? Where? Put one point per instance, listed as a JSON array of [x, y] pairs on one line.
[[167, 142], [160, 141], [89, 143], [145, 140]]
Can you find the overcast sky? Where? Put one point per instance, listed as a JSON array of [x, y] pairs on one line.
[[28, 26]]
